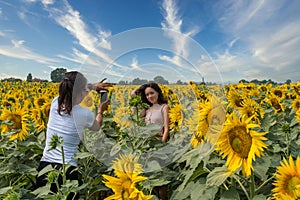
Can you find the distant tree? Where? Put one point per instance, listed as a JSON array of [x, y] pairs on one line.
[[288, 81], [122, 83], [58, 74], [138, 81], [160, 80], [179, 82], [255, 81], [38, 80], [243, 81], [29, 78], [12, 79]]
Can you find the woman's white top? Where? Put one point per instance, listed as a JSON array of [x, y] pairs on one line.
[[70, 128]]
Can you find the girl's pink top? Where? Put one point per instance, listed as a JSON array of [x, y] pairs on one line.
[[155, 116]]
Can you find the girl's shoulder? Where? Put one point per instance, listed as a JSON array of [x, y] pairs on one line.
[[164, 106]]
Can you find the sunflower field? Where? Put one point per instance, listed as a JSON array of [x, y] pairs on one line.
[[228, 142]]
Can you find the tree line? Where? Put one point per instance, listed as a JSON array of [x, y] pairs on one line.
[[57, 74]]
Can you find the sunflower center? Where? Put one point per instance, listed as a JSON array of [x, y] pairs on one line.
[[238, 102], [275, 104], [17, 121], [292, 184], [278, 93], [41, 101], [240, 141]]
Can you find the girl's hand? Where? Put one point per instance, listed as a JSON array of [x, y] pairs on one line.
[[101, 85], [103, 106]]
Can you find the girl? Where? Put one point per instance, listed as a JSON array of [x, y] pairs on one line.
[[158, 112], [68, 119]]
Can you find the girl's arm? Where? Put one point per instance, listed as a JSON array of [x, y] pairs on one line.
[[99, 117], [166, 123]]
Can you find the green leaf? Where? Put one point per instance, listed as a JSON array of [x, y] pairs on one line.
[[217, 176], [45, 170], [261, 167], [231, 194], [82, 155], [259, 197], [41, 191], [152, 166], [115, 149], [5, 189]]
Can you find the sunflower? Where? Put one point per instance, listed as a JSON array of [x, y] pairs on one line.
[[127, 171], [199, 92], [175, 115], [275, 102], [120, 117], [88, 102], [240, 144], [296, 88], [37, 118], [298, 115], [211, 119], [287, 183], [251, 108], [234, 98], [17, 125], [39, 101], [296, 104]]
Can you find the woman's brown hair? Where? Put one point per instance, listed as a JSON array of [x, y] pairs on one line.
[[70, 88], [155, 86]]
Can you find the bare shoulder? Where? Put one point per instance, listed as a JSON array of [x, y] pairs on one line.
[[166, 107]]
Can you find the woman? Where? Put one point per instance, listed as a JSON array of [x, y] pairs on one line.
[[158, 112], [68, 120]]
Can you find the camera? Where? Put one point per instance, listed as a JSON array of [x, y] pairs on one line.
[[103, 95]]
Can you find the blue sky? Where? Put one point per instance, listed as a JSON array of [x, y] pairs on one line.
[[220, 40]]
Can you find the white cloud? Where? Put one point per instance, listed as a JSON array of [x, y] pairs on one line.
[[135, 65], [20, 51], [47, 2], [72, 21], [2, 34], [4, 75], [269, 33], [173, 28]]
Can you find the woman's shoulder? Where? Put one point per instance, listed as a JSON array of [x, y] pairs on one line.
[[164, 106], [80, 110]]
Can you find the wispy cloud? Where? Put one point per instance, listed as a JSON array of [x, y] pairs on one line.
[[269, 33], [135, 65], [20, 51], [173, 28], [96, 44]]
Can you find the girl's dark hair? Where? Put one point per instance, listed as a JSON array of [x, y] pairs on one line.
[[155, 86], [70, 87]]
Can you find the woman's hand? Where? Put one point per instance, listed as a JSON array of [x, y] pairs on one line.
[[99, 117], [101, 85], [103, 106]]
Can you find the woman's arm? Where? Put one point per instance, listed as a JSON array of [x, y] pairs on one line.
[[166, 123], [99, 117], [100, 85]]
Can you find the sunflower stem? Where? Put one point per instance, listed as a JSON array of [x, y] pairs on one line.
[[243, 188], [63, 165], [137, 115], [264, 183], [287, 139], [252, 186]]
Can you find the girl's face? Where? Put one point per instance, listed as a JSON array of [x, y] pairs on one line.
[[151, 95]]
